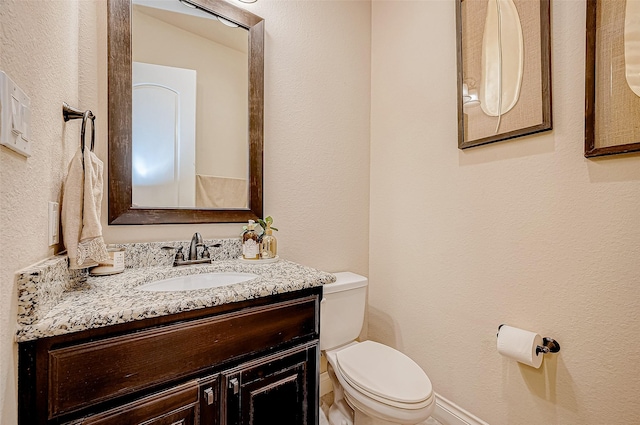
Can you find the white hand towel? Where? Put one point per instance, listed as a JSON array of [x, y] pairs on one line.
[[81, 201]]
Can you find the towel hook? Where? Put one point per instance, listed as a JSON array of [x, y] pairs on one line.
[[71, 113], [88, 115]]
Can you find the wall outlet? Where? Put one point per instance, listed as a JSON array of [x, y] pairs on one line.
[[54, 223]]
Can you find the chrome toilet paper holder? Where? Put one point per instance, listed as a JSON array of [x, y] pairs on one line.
[[549, 345]]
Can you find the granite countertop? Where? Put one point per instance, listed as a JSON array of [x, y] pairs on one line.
[[108, 300]]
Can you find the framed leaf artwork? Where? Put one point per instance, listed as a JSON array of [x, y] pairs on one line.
[[504, 70], [612, 83]]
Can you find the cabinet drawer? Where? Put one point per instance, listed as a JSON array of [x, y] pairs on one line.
[[176, 406], [90, 373]]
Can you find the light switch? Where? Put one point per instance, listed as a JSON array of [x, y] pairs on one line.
[[25, 117], [16, 122], [15, 117]]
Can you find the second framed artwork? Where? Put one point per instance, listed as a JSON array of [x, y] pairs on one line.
[[612, 110], [504, 69]]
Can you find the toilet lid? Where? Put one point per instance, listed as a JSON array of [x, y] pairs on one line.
[[384, 372]]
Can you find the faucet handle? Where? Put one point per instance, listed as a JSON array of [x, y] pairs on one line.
[[205, 251], [179, 254], [177, 248]]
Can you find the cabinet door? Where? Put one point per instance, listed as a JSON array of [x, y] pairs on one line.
[[280, 389], [210, 400], [175, 406]]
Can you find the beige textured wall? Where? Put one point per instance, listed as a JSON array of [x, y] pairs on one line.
[[38, 42], [525, 232], [317, 102]]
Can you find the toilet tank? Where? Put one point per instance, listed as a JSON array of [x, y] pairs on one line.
[[342, 310]]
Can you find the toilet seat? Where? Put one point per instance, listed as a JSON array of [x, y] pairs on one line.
[[385, 375]]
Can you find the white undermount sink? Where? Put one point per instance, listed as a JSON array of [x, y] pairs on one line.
[[197, 281]]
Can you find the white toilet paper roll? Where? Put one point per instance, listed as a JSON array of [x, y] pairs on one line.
[[520, 345]]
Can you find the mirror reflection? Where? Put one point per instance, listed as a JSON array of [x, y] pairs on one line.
[[190, 141]]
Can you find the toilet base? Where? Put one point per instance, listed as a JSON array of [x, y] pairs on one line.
[[340, 414], [362, 419]]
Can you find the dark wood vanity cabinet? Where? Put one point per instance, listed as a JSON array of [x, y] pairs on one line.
[[252, 362], [274, 390]]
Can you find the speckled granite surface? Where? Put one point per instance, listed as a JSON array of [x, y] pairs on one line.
[[55, 302], [40, 287], [151, 254]]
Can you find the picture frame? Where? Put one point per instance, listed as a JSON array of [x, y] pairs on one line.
[[612, 78], [504, 70]]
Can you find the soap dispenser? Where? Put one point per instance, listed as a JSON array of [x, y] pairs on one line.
[[250, 244], [269, 247]]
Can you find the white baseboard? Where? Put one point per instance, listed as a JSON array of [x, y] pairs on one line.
[[325, 384], [449, 413]]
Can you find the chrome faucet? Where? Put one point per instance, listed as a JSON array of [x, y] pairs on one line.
[[192, 255], [196, 241]]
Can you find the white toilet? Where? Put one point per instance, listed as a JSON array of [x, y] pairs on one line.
[[373, 384]]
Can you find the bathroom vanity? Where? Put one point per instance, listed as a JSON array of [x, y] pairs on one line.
[[251, 358]]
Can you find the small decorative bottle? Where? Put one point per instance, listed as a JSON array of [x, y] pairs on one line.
[[269, 247], [250, 245]]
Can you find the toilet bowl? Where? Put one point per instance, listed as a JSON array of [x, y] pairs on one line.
[[373, 383]]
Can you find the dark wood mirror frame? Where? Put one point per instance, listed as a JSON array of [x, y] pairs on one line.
[[121, 210]]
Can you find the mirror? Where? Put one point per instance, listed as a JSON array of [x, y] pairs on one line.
[[185, 112]]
